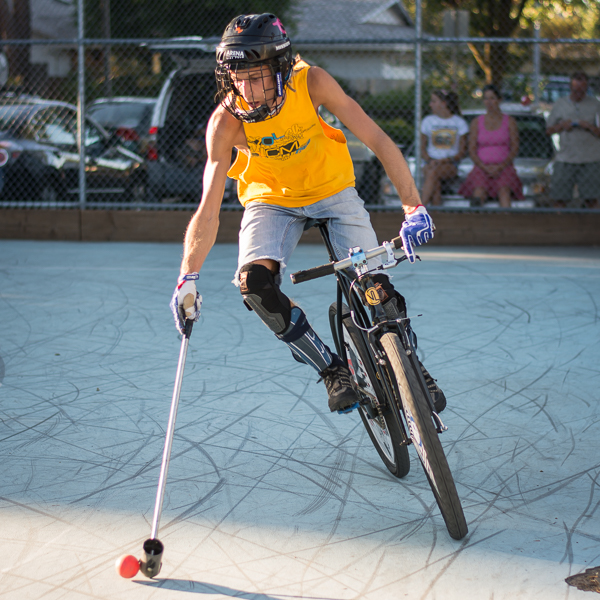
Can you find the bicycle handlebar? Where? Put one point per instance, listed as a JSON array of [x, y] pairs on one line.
[[331, 268]]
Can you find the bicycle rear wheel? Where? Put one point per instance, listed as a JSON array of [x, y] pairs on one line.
[[384, 429], [424, 435]]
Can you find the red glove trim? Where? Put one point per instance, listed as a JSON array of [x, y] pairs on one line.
[[412, 209]]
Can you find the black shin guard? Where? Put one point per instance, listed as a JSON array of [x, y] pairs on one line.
[[304, 343], [263, 296]]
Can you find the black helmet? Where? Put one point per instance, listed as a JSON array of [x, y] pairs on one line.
[[251, 41]]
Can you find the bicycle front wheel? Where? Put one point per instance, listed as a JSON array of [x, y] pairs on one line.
[[380, 421], [424, 436]]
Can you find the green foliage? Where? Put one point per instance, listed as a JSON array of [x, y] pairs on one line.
[[508, 18], [394, 112], [400, 130]]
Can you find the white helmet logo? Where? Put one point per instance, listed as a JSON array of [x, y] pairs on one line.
[[234, 54]]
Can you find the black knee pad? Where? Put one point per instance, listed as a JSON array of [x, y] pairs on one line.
[[263, 296], [387, 291]]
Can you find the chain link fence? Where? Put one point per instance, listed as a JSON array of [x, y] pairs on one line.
[[110, 110]]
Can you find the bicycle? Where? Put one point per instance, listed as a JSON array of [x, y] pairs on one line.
[[395, 405]]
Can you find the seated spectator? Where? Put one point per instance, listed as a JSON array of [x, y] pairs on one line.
[[493, 145], [577, 119], [443, 144]]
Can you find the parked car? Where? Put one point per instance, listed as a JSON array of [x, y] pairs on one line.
[[128, 118], [176, 152], [533, 163], [9, 152], [46, 161]]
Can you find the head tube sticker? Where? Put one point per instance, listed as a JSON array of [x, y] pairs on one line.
[[372, 296]]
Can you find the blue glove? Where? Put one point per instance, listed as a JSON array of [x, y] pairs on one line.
[[186, 301], [417, 229]]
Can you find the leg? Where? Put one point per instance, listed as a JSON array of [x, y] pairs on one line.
[[434, 174], [427, 192], [288, 322], [562, 183], [480, 194], [588, 183], [437, 196], [504, 197]]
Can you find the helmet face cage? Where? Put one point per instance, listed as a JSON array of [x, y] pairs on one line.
[[252, 92], [254, 65]]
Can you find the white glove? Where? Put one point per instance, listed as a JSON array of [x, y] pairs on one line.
[[186, 301], [417, 229]]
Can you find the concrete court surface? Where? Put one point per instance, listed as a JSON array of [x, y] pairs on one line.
[[271, 497]]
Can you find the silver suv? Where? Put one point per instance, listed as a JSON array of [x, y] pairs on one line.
[[175, 151]]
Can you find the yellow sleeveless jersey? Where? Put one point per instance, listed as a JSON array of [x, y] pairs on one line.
[[296, 159]]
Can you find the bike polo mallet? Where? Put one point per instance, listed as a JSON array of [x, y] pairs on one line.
[[151, 561]]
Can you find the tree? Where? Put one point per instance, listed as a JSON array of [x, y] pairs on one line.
[[501, 19]]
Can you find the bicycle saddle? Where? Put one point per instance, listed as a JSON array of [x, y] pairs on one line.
[[315, 223]]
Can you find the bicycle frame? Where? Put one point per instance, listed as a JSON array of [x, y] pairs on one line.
[[368, 327]]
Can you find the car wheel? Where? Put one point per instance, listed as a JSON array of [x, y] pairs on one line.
[[138, 191], [48, 193]]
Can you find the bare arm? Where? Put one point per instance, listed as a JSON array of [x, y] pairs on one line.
[[473, 134], [595, 131], [424, 143], [223, 132], [325, 91], [564, 125]]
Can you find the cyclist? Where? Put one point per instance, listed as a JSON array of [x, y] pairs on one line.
[[290, 166]]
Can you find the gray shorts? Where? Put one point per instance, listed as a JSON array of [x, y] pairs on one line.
[[272, 232], [566, 175]]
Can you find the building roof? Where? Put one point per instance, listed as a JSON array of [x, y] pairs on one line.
[[339, 21]]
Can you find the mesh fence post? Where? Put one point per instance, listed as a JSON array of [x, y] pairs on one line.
[[418, 90], [536, 65], [81, 102]]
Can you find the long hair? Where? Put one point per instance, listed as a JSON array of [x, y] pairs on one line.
[[450, 99], [490, 87]]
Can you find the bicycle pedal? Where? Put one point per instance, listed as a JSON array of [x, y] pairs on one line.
[[349, 409]]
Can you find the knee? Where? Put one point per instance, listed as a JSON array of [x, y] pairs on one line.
[[387, 291], [262, 295]]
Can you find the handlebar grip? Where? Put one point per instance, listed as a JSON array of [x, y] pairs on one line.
[[313, 273], [397, 241]]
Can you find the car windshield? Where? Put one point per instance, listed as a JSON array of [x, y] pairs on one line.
[[11, 115], [120, 114]]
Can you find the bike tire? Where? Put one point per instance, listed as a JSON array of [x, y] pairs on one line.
[[424, 436], [384, 431]]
